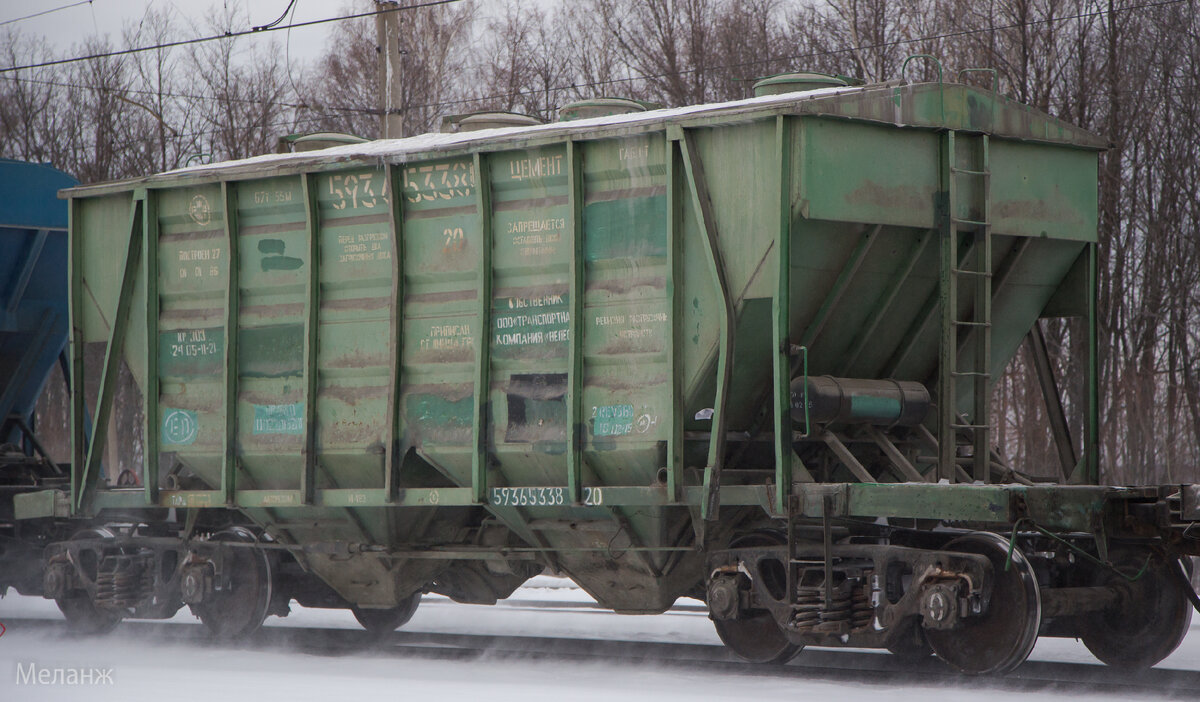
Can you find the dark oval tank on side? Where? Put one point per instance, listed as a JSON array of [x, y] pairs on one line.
[[858, 401]]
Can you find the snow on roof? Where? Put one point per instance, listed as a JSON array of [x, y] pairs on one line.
[[397, 150]]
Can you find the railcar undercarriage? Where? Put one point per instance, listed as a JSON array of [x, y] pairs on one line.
[[977, 599], [233, 578]]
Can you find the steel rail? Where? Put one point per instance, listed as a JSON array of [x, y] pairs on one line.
[[866, 668]]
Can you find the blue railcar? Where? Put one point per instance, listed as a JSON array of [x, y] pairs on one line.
[[33, 288], [33, 333]]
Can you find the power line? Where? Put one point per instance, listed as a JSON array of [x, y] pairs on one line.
[[46, 12], [194, 96], [279, 19], [573, 86], [310, 119], [228, 35], [600, 83]]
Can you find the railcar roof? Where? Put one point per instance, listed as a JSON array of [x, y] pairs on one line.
[[921, 105]]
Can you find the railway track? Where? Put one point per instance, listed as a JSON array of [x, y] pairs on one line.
[[814, 665]]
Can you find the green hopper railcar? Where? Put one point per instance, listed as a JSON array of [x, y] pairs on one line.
[[741, 352]]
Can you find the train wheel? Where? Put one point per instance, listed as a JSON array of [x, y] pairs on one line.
[[754, 636], [82, 615], [1151, 620], [238, 608], [379, 622], [909, 644], [1002, 638]]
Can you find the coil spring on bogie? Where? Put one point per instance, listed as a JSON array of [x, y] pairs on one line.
[[123, 581], [850, 608]]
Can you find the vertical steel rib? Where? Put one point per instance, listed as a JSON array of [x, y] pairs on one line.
[[150, 383], [575, 432], [79, 420], [675, 293], [229, 199], [483, 361], [113, 354], [781, 320], [392, 457], [312, 383], [702, 204]]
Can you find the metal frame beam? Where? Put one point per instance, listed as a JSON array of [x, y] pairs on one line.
[[675, 238], [781, 320], [312, 323], [150, 383], [392, 455], [1088, 470], [17, 293], [948, 303], [1059, 427], [112, 356], [79, 419], [29, 355], [900, 465], [702, 207], [229, 200], [483, 360], [575, 371]]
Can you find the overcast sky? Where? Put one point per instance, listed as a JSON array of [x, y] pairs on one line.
[[69, 27]]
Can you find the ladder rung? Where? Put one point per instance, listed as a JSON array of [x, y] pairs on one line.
[[974, 374], [970, 222], [970, 426], [964, 271], [967, 171], [964, 323]]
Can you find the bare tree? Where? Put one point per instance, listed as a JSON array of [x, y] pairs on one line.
[[436, 46], [161, 95], [31, 105], [249, 100]]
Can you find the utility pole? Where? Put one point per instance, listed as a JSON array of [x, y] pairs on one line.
[[391, 70]]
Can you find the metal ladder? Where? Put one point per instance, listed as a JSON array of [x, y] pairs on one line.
[[967, 257]]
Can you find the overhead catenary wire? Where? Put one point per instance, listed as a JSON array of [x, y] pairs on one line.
[[576, 86], [201, 96], [325, 109], [277, 19], [227, 35], [45, 12]]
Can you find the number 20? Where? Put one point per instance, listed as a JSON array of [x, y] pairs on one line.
[[455, 240]]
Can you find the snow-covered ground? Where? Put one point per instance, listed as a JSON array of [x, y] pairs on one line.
[[159, 669]]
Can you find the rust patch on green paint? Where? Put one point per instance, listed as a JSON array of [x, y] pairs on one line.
[[900, 197], [1047, 209]]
